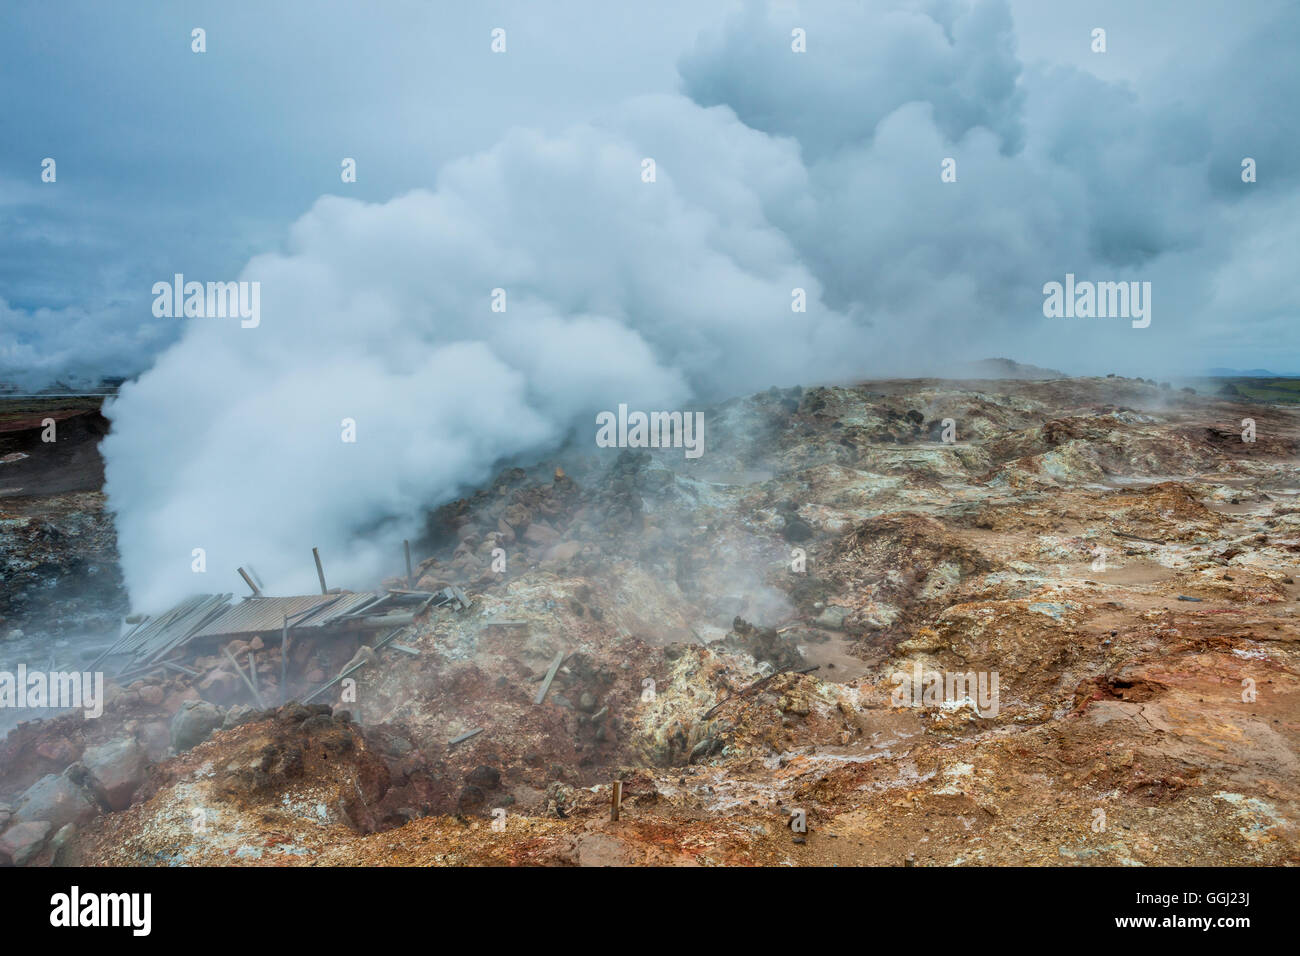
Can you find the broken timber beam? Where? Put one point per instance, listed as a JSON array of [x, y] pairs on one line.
[[320, 571], [464, 737], [252, 670], [1137, 537], [550, 676], [247, 683], [378, 646], [257, 592]]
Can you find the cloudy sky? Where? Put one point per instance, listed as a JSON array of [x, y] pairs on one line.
[[522, 170], [1116, 165]]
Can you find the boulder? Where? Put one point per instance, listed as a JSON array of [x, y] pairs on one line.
[[541, 533], [194, 723], [242, 714], [61, 844], [484, 777], [563, 552], [56, 800], [833, 617], [155, 737], [58, 750], [22, 841], [117, 769]]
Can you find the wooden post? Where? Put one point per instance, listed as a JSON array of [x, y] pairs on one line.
[[616, 802], [320, 571], [252, 669], [284, 661], [407, 546], [249, 581]]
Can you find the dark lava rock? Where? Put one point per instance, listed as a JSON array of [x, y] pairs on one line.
[[194, 723], [471, 798], [796, 529], [485, 777]]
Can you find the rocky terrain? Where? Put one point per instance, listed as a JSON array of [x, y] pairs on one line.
[[1106, 563], [58, 549]]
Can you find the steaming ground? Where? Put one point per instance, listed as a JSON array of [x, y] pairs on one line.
[[1112, 552], [677, 291]]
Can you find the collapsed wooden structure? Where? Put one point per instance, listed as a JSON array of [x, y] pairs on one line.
[[207, 621]]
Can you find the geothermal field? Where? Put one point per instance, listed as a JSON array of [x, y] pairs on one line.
[[1062, 633]]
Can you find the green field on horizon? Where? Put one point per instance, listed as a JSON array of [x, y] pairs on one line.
[[1263, 389]]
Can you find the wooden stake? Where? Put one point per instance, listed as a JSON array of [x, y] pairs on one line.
[[320, 571], [616, 802], [249, 581], [284, 661], [240, 671], [407, 546]]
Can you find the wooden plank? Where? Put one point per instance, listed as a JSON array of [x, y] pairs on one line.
[[355, 667], [464, 737], [249, 581], [1137, 537], [334, 680], [247, 683], [550, 676], [320, 571]]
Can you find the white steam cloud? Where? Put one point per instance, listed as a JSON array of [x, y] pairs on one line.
[[776, 171], [616, 291]]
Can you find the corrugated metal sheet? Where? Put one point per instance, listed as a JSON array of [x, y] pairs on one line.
[[213, 615], [343, 607], [185, 616], [156, 635], [258, 615]]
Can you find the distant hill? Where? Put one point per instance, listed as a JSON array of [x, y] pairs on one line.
[[1246, 373], [1004, 368]]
